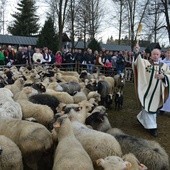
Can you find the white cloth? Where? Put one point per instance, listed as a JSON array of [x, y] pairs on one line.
[[148, 120], [166, 106]]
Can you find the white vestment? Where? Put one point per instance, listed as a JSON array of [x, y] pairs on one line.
[[166, 106], [150, 90]]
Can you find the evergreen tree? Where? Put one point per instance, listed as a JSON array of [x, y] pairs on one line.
[[94, 45], [25, 20], [48, 37]]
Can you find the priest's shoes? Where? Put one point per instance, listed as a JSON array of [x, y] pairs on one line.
[[153, 132]]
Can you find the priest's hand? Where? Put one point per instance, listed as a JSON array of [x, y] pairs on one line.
[[159, 76]]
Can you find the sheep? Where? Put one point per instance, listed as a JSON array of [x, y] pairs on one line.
[[135, 164], [10, 157], [93, 101], [5, 94], [3, 82], [95, 95], [9, 76], [66, 78], [118, 100], [111, 83], [97, 144], [17, 86], [103, 90], [113, 163], [42, 113], [69, 153], [8, 107], [63, 97], [69, 73], [79, 96], [148, 152], [85, 75], [32, 138], [45, 99], [80, 110], [71, 87], [128, 161], [55, 86], [119, 81]]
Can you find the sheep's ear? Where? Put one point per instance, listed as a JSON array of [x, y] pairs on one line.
[[56, 124], [128, 165], [99, 162]]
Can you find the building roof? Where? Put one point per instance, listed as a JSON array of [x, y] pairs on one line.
[[110, 47], [17, 40]]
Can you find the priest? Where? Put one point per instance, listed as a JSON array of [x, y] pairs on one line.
[[152, 83]]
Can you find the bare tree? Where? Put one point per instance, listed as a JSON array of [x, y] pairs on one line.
[[165, 4], [88, 19], [154, 20], [2, 15], [119, 6]]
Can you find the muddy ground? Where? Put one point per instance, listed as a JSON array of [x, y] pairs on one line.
[[125, 119]]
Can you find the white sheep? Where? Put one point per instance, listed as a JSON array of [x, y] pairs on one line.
[[79, 111], [68, 73], [5, 94], [8, 107], [97, 144], [79, 96], [94, 94], [42, 113], [66, 78], [11, 109], [55, 86], [10, 156], [33, 139], [127, 162], [113, 163], [16, 87], [69, 153]]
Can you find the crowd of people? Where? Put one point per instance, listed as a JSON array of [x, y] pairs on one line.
[[105, 59]]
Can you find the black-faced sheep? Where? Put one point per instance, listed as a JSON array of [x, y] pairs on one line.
[[118, 100], [45, 99], [37, 86], [33, 139], [69, 153], [10, 156], [148, 152]]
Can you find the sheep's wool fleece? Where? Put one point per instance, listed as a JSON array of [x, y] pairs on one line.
[[151, 92]]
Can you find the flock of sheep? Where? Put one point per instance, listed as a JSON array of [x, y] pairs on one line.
[[53, 119]]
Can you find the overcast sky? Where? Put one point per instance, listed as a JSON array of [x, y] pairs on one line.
[[106, 30]]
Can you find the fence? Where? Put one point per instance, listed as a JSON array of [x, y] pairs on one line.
[[79, 67]]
